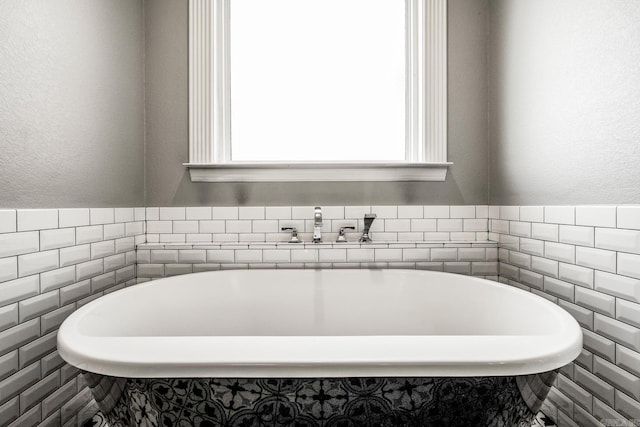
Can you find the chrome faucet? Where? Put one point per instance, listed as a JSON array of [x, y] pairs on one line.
[[368, 220], [317, 225]]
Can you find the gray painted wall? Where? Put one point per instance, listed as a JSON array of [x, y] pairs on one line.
[[71, 103], [564, 101], [166, 85]]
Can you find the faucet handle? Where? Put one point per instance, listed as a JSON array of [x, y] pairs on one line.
[[342, 237], [294, 234]]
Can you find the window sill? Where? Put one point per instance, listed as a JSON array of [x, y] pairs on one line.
[[329, 172]]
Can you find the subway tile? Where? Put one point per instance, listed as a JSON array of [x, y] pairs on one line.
[[618, 240], [449, 225], [544, 266], [532, 213], [596, 258], [494, 212], [302, 212], [385, 212], [37, 219], [177, 269], [412, 212], [124, 215], [89, 269], [532, 279], [599, 345], [8, 269], [114, 262], [55, 400], [462, 211], [508, 271], [332, 212], [583, 418], [265, 226], [436, 237], [251, 212], [397, 225], [522, 229], [560, 400], [172, 213], [164, 256], [240, 226], [482, 211], [278, 212], [139, 214], [19, 381], [385, 255], [37, 348], [198, 213], [617, 331], [484, 268], [223, 256], [510, 213], [37, 262], [532, 247], [38, 305], [444, 254], [585, 359], [30, 418], [126, 244], [436, 212], [559, 252], [10, 410], [74, 405], [458, 267], [89, 234], [19, 243], [581, 236], [628, 359], [471, 254], [583, 316], [607, 415], [595, 385], [114, 231], [547, 232], [596, 301], [19, 335], [559, 288], [276, 255], [57, 278], [8, 221], [628, 217], [99, 216], [629, 265], [305, 255], [627, 406], [59, 238], [332, 255], [102, 249], [499, 226], [575, 274], [74, 255], [475, 225], [463, 237], [520, 260], [423, 225], [150, 270], [186, 256], [214, 226], [198, 238], [52, 320], [578, 394], [133, 228], [559, 215], [620, 378], [619, 286], [628, 312], [152, 214], [159, 226], [8, 316], [596, 216], [125, 274], [19, 289]]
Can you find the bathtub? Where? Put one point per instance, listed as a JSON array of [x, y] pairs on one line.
[[259, 343]]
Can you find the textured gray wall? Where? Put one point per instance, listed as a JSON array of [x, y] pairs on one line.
[[71, 103], [564, 101], [168, 183]]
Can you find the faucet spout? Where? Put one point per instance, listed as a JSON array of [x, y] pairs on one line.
[[368, 220], [317, 225]]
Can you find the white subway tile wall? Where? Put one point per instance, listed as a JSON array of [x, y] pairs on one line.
[[585, 259], [52, 262]]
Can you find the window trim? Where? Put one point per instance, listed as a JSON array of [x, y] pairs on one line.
[[210, 106]]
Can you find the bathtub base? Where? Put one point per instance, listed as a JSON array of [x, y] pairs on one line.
[[330, 402]]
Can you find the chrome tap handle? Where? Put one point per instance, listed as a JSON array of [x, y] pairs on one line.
[[294, 234], [342, 238]]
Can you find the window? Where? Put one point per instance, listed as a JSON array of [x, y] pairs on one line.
[[317, 90]]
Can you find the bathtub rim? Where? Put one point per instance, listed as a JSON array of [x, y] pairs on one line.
[[290, 356]]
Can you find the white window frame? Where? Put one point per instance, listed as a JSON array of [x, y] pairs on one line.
[[210, 106]]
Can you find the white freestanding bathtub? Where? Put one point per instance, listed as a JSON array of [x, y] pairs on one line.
[[314, 324]]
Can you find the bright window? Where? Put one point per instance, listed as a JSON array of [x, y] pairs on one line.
[[348, 89]]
